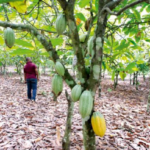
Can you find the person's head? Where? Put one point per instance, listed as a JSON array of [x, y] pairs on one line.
[[28, 59]]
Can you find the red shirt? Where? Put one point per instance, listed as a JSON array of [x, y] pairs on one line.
[[29, 70]]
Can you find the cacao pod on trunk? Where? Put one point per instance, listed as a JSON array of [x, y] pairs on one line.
[[98, 124], [85, 104], [60, 24], [76, 92]]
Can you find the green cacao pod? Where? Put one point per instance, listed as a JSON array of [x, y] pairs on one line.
[[60, 24], [85, 104], [76, 92], [57, 85], [59, 68], [82, 37], [9, 37], [90, 46]]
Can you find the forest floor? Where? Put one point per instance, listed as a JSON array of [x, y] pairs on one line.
[[40, 125]]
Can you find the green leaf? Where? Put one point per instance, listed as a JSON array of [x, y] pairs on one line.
[[21, 51], [137, 47], [143, 7], [96, 5], [83, 3], [137, 14], [6, 1], [122, 75], [130, 66], [1, 40], [56, 41], [148, 8], [109, 90], [147, 40], [122, 45], [132, 41], [23, 43], [137, 39], [140, 62], [81, 16]]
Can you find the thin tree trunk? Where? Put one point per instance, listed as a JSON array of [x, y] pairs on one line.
[[116, 79], [99, 90], [89, 136], [66, 140], [136, 80], [144, 77], [130, 79]]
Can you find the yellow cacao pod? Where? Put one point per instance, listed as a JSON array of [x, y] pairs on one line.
[[98, 124]]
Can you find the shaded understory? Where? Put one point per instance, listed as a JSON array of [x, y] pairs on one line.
[[28, 125]]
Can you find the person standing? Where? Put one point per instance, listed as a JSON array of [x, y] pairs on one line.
[[31, 77]]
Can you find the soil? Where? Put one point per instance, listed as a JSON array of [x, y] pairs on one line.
[[40, 125]]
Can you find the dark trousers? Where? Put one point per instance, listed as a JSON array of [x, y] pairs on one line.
[[31, 88]]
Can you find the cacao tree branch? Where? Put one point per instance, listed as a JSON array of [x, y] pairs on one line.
[[106, 8], [63, 4], [47, 45], [66, 140], [113, 29], [73, 34], [5, 10]]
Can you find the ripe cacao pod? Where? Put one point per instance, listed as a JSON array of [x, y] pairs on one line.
[[76, 92], [85, 104], [57, 85], [98, 124], [59, 68], [60, 24], [9, 37]]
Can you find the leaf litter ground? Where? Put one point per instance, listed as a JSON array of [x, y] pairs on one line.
[[40, 125]]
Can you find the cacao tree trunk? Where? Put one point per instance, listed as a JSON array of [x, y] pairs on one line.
[[144, 77], [130, 79], [116, 79], [66, 140], [89, 136], [136, 80]]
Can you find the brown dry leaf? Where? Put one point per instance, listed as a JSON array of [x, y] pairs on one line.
[[38, 139], [58, 135]]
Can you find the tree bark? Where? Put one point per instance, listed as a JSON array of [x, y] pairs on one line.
[[66, 140], [130, 79], [89, 136], [116, 79], [136, 80]]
